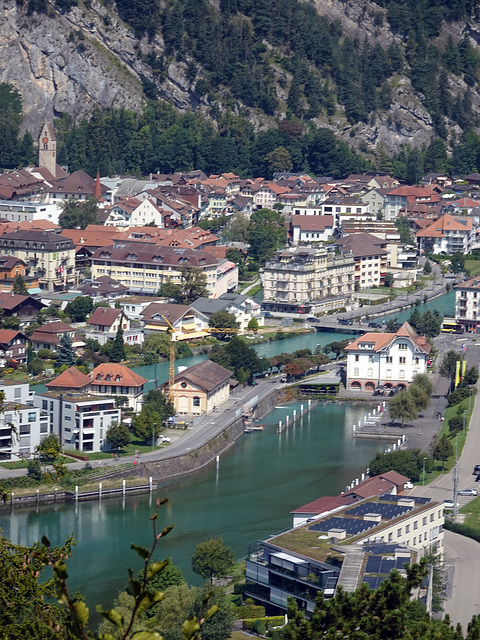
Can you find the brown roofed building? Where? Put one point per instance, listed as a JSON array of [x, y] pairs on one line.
[[105, 322], [200, 389], [13, 346], [71, 379], [48, 335], [25, 307], [77, 185], [112, 379], [187, 321], [370, 253], [449, 235], [10, 269]]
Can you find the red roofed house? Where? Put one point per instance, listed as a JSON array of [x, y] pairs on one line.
[[389, 482], [105, 322], [401, 197], [112, 379], [72, 380], [448, 235], [320, 507], [12, 346], [386, 359], [311, 228]]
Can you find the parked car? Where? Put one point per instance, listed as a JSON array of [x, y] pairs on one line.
[[163, 438], [267, 314], [347, 321], [476, 469], [312, 319], [374, 325], [468, 492], [449, 504], [408, 485]]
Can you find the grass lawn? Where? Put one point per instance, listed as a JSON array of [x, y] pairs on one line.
[[460, 438], [472, 512], [23, 464], [473, 267]]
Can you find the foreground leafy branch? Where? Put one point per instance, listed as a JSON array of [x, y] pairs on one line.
[[25, 610]]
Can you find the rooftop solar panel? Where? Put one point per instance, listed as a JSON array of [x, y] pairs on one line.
[[373, 564], [387, 565], [387, 511], [352, 527]]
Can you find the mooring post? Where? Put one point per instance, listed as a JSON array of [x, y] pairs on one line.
[[76, 493], [99, 490]]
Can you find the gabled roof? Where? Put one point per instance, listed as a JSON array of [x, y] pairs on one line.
[[206, 375], [105, 316], [312, 223], [395, 477], [71, 378], [381, 340], [446, 223], [324, 504], [362, 244], [7, 335], [111, 373], [172, 312], [375, 486], [9, 301]]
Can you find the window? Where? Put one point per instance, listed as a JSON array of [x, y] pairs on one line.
[[68, 406], [402, 360], [24, 429], [357, 358], [355, 371], [403, 346], [407, 528], [196, 401], [399, 532], [416, 360], [370, 358], [183, 385], [68, 418], [18, 392], [414, 541], [31, 416], [415, 525], [401, 373], [44, 404], [424, 521], [389, 359], [390, 537], [432, 517], [425, 535], [43, 427]]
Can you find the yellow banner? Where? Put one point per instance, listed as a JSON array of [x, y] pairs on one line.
[[457, 373]]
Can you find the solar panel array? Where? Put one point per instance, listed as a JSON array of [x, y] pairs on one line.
[[378, 564], [387, 497], [351, 526], [373, 581], [387, 511]]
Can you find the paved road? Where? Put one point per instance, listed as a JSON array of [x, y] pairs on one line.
[[205, 429], [464, 590]]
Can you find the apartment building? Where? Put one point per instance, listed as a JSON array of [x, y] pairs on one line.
[[47, 255], [386, 359], [143, 268], [22, 427], [373, 537], [467, 298], [303, 275], [370, 254], [81, 421]]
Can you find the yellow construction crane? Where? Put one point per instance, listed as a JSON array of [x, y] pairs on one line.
[[173, 338], [171, 360]]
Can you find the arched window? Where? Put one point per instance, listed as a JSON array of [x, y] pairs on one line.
[[196, 401]]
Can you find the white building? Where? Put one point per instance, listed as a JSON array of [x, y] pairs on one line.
[[242, 307], [467, 299], [386, 359], [80, 421], [18, 211], [22, 427]]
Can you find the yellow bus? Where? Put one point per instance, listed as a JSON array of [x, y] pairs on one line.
[[451, 326]]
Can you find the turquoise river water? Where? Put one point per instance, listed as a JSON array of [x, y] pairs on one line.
[[249, 496]]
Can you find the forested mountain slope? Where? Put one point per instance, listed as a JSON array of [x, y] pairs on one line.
[[388, 72]]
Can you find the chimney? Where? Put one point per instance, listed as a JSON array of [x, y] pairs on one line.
[[98, 188]]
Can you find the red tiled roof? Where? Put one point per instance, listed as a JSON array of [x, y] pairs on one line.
[[71, 378], [105, 316], [7, 335], [381, 340], [324, 504], [371, 487], [446, 223], [312, 223], [120, 375], [395, 477]]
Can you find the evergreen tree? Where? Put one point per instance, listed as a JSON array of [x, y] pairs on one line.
[[117, 348], [20, 286], [65, 352]]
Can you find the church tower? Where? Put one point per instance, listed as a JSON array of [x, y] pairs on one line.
[[47, 149]]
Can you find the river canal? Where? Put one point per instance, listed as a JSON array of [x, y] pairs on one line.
[[249, 496]]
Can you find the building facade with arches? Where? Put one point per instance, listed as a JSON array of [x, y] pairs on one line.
[[386, 359]]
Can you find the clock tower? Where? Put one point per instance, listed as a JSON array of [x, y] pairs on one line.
[[47, 148]]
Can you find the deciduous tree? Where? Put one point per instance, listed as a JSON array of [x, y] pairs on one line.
[[402, 408], [212, 559], [77, 214], [118, 436]]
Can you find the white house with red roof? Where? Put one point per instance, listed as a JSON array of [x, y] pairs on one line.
[[307, 229], [450, 234], [112, 379], [386, 359]]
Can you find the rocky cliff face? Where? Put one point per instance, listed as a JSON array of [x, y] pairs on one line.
[[88, 57]]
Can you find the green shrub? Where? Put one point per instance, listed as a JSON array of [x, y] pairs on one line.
[[455, 424], [275, 621], [463, 529], [260, 627], [251, 611]]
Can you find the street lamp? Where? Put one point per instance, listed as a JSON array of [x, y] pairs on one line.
[[424, 471], [464, 414]]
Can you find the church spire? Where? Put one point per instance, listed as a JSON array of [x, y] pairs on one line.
[[98, 188]]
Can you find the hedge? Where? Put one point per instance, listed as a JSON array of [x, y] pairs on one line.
[[252, 611], [462, 529], [270, 621]]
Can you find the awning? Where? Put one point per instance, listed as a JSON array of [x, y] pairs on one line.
[[289, 558], [191, 335], [34, 291]]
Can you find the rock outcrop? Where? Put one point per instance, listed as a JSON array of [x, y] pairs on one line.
[[88, 58]]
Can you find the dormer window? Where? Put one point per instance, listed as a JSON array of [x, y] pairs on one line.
[[132, 256], [108, 377], [118, 377], [99, 376]]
